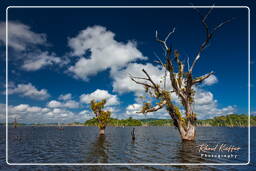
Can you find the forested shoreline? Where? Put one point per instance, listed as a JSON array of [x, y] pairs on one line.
[[228, 120], [232, 120]]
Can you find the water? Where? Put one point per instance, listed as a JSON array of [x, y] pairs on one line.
[[152, 145]]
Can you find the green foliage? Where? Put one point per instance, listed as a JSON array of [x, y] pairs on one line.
[[165, 95], [177, 112], [228, 120], [157, 122], [102, 116], [145, 107], [115, 122]]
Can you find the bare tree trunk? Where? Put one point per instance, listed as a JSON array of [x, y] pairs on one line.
[[190, 127], [102, 131], [186, 129], [187, 132]]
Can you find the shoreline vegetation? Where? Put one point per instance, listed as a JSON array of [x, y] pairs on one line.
[[232, 120]]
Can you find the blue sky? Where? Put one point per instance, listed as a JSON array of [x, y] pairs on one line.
[[60, 59]]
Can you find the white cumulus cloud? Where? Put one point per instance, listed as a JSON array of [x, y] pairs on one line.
[[20, 36], [54, 104], [210, 80], [133, 109], [67, 104], [71, 104], [100, 51], [25, 113], [122, 82], [38, 60], [26, 45], [28, 90], [99, 95], [67, 96], [207, 107]]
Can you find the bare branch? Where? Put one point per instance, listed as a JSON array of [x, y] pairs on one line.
[[165, 75], [149, 78], [169, 34], [141, 83], [210, 10], [159, 60], [209, 35], [202, 78], [221, 24], [164, 44], [156, 87], [164, 66], [194, 62], [188, 63], [155, 108], [140, 78], [181, 68], [165, 40]]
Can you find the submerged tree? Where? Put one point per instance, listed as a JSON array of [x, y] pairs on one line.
[[182, 83], [102, 116]]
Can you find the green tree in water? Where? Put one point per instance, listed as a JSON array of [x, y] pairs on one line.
[[102, 116]]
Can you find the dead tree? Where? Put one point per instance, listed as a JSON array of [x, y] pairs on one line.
[[182, 83]]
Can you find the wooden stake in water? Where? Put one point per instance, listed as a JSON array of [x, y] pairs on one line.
[[133, 134], [15, 123]]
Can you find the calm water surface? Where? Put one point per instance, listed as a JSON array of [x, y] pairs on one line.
[[152, 145]]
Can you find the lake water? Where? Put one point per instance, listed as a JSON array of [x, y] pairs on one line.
[[152, 145]]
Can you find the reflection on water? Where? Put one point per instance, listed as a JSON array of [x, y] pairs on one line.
[[98, 151], [189, 153], [152, 145]]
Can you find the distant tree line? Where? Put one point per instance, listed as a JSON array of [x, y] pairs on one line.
[[228, 120], [116, 122]]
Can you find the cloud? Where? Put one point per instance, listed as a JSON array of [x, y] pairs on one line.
[[132, 111], [2, 113], [210, 80], [21, 107], [98, 51], [20, 36], [28, 90], [203, 97], [99, 95], [71, 104], [67, 104], [205, 104], [134, 107], [207, 107], [122, 82], [64, 97], [35, 114], [38, 60], [26, 46], [54, 104]]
